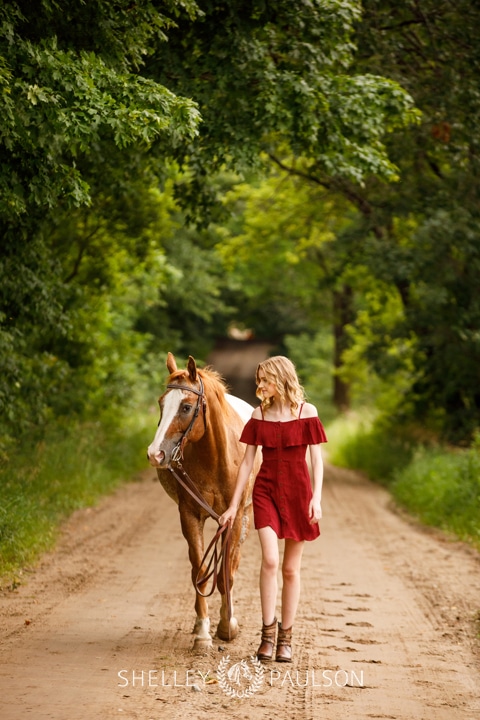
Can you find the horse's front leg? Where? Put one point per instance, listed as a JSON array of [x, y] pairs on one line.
[[227, 628], [192, 529]]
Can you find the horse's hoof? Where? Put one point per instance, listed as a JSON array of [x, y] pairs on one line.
[[201, 644], [226, 631]]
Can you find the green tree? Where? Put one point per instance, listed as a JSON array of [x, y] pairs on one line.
[[286, 264], [69, 97], [426, 233], [266, 73], [418, 239], [95, 104]]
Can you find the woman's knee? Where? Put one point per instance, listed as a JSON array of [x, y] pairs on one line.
[[270, 553], [290, 572], [292, 561], [270, 562]]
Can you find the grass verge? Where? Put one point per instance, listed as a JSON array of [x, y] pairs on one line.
[[71, 468], [356, 441], [442, 489], [439, 486]]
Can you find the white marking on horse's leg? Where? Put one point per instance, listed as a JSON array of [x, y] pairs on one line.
[[202, 627], [169, 410], [203, 639]]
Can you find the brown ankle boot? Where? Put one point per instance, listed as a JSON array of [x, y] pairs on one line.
[[284, 644], [265, 651]]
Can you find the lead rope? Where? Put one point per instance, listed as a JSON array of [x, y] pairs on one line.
[[220, 559]]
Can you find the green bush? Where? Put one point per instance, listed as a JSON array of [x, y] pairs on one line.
[[442, 489], [438, 485], [70, 468], [356, 441]]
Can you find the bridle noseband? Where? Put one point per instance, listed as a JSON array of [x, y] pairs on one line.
[[220, 559]]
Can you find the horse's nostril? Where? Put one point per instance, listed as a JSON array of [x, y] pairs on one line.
[[156, 458]]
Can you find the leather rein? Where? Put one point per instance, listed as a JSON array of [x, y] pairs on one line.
[[220, 558]]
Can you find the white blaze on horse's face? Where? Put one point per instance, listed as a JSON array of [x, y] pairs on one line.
[[160, 450]]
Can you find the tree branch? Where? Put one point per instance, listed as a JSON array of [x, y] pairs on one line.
[[83, 244], [333, 186]]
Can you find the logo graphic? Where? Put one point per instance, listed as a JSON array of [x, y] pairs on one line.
[[242, 679]]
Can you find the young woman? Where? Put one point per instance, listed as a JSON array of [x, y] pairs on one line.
[[284, 504]]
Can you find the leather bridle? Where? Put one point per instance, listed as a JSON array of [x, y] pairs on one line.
[[177, 452], [220, 558]]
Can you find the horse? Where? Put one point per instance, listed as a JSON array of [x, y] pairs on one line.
[[196, 452]]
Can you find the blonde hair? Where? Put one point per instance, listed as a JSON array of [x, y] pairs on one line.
[[281, 371]]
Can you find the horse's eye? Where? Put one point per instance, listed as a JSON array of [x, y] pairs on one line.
[[186, 409]]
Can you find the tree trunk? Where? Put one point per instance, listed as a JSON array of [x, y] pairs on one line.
[[342, 315]]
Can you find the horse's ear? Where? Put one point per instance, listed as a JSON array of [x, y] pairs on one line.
[[192, 368], [171, 363]]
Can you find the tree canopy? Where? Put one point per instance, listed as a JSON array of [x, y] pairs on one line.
[[265, 74], [425, 232], [407, 254], [102, 104], [301, 165]]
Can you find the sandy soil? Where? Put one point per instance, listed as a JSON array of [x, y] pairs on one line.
[[101, 628]]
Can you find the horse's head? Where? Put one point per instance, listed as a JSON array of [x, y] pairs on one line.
[[180, 407]]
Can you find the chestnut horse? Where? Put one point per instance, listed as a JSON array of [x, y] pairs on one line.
[[198, 440]]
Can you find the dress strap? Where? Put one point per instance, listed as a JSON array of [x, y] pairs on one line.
[[301, 408]]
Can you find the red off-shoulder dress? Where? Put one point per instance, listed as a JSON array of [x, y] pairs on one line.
[[283, 489]]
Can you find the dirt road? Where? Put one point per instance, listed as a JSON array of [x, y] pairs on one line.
[[101, 628]]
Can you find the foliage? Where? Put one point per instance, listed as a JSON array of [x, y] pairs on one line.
[[68, 469], [265, 74], [69, 100], [413, 244], [312, 357], [277, 246], [437, 484], [376, 351], [191, 310], [442, 489], [83, 353], [363, 442], [95, 102], [422, 238], [60, 98]]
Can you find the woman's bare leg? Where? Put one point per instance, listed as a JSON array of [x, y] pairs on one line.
[[292, 560], [268, 573]]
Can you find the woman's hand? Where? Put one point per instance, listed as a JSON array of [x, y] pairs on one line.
[[314, 510], [228, 516]]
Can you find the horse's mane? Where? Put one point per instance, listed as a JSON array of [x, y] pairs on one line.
[[214, 384]]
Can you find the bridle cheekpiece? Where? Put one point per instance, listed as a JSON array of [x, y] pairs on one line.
[[177, 452]]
